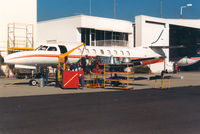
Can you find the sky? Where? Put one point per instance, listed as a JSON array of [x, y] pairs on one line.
[[125, 9]]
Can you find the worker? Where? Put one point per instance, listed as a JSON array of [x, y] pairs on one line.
[[68, 67], [83, 62], [81, 81], [46, 76], [88, 64], [73, 67], [79, 66], [176, 68]]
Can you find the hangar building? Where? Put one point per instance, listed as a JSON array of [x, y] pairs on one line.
[[175, 32]]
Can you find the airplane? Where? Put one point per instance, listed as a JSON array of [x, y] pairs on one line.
[[189, 60], [47, 55]]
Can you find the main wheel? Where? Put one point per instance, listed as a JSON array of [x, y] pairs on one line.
[[33, 82]]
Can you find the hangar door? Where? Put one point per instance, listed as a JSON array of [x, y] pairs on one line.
[[186, 36]]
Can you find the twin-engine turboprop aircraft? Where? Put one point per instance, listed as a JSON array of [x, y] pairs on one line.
[[48, 55]]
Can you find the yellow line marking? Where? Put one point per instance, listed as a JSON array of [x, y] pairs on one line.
[[71, 79], [16, 82]]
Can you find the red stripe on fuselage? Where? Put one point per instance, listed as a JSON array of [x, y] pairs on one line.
[[79, 56], [37, 55]]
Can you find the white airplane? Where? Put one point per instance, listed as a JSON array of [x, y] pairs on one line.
[[186, 61], [48, 55]]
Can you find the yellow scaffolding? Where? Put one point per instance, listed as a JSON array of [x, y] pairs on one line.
[[20, 38], [94, 80], [120, 76]]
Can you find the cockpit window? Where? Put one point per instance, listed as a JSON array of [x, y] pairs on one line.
[[52, 49], [42, 48]]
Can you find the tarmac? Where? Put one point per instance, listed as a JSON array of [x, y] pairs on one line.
[[22, 88]]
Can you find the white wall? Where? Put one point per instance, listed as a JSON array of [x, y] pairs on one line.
[[64, 29], [16, 11], [146, 33]]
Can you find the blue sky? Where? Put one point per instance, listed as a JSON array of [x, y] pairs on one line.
[[125, 9]]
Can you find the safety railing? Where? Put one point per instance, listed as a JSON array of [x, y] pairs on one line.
[[109, 43]]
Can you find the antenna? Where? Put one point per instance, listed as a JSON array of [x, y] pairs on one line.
[[114, 12], [90, 7], [160, 8]]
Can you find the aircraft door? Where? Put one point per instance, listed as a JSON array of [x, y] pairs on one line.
[[63, 49]]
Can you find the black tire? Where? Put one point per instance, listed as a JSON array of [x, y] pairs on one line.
[[33, 82]]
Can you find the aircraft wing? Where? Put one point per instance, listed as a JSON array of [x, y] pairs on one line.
[[138, 61]]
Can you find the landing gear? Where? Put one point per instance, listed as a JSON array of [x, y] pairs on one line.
[[33, 82]]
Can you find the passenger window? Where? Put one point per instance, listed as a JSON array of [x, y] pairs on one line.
[[52, 49], [94, 51], [108, 52], [115, 52], [102, 52], [122, 53], [128, 53]]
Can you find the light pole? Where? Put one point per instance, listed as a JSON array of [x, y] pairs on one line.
[[181, 12]]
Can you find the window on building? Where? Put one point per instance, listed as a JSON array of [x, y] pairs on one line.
[[92, 36], [85, 36]]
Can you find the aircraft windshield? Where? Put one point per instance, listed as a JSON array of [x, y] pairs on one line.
[[41, 48]]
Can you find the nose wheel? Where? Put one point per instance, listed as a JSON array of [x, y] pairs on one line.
[[33, 82]]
